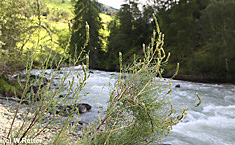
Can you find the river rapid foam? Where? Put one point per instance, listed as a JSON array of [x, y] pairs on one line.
[[213, 122]]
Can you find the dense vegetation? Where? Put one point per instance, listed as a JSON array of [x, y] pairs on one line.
[[139, 109], [47, 33], [87, 11], [199, 34]]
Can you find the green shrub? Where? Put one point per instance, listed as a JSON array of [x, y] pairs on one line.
[[139, 110]]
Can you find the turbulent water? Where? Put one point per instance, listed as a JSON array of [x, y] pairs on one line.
[[213, 122]]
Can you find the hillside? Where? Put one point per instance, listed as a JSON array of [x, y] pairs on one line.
[[57, 13], [108, 10], [67, 5]]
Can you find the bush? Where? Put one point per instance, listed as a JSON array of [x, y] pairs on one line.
[[11, 63], [139, 109]]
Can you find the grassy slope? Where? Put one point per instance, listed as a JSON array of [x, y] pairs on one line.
[[62, 27], [59, 5], [68, 6], [45, 42], [55, 26]]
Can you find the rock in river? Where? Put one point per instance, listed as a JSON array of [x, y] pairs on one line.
[[82, 108], [177, 86]]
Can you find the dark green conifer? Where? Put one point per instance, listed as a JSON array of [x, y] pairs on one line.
[[86, 11]]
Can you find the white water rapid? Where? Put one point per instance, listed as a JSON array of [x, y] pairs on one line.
[[212, 123]]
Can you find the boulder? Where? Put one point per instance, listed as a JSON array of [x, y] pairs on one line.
[[177, 86], [83, 107]]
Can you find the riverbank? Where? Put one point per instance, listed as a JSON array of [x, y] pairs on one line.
[[214, 118], [8, 108], [200, 78], [7, 113]]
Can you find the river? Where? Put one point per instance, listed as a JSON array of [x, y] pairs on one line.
[[213, 122]]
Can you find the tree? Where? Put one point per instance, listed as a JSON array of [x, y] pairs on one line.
[[139, 112], [14, 27], [181, 28], [13, 22], [128, 32], [218, 41], [86, 11], [121, 35], [200, 35]]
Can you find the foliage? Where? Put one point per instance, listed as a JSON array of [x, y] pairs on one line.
[[18, 23], [194, 34], [16, 28], [43, 99], [57, 15], [199, 33], [137, 105], [127, 33], [217, 57], [104, 33], [180, 25], [9, 89], [11, 62], [139, 110], [13, 22], [86, 11], [12, 25], [63, 38]]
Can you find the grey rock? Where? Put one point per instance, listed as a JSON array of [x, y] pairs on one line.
[[82, 107]]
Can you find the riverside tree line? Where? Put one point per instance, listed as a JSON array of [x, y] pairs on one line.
[[198, 33]]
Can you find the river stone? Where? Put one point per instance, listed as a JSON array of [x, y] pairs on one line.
[[177, 86], [83, 107]]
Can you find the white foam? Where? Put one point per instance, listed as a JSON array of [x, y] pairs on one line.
[[221, 110], [229, 98], [212, 130], [213, 122]]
